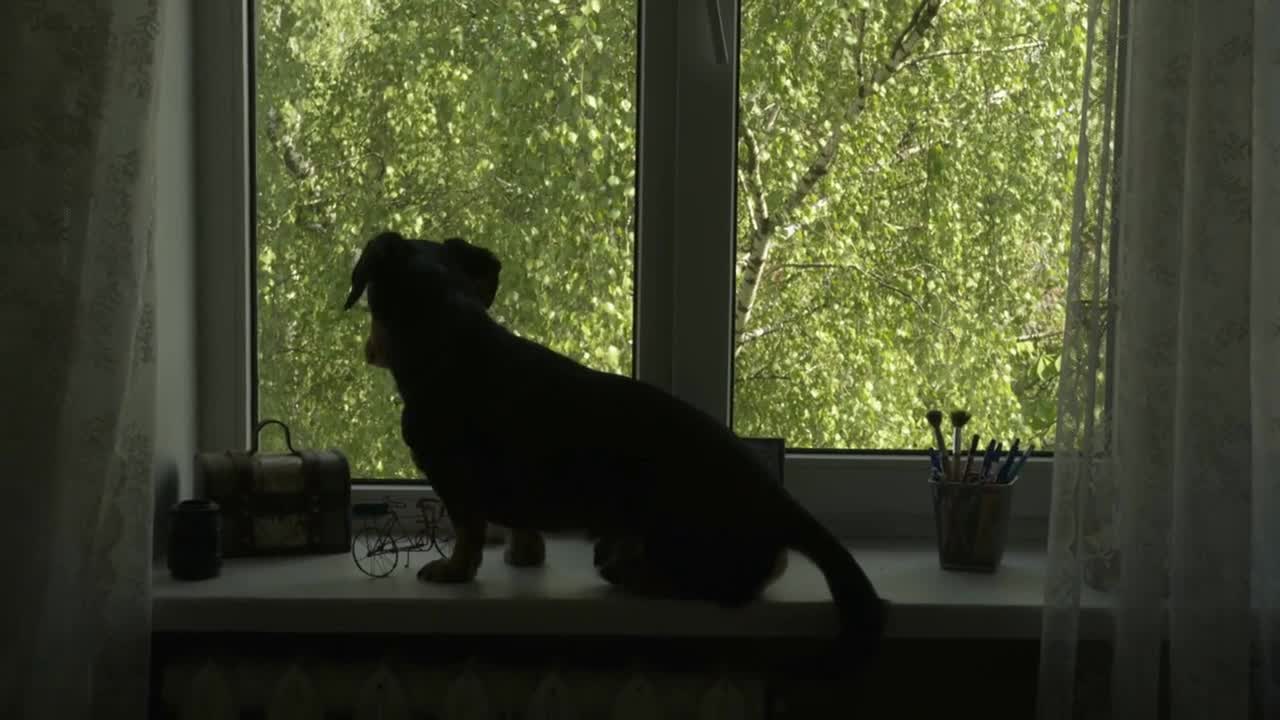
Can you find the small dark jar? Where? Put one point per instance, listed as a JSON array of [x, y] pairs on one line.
[[195, 540]]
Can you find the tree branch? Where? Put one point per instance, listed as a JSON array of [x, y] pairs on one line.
[[862, 45], [1036, 337], [780, 326], [912, 35], [879, 280], [762, 375], [1035, 45], [761, 227], [297, 165], [762, 235]]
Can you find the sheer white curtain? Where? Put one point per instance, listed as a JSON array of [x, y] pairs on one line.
[[1165, 493], [76, 420]]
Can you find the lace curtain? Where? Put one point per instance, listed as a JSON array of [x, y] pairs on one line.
[[76, 207], [1168, 447]]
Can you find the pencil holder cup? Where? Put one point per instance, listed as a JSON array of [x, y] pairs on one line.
[[972, 523]]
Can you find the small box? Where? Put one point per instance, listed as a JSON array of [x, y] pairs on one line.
[[279, 503], [772, 451], [972, 523]]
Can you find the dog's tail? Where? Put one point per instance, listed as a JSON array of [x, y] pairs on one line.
[[863, 614]]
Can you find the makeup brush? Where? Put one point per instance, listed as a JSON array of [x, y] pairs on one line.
[[968, 463], [959, 418], [935, 421]]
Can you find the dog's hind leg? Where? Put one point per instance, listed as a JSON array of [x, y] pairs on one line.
[[525, 548], [623, 561], [719, 568]]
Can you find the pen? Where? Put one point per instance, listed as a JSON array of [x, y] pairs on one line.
[[1003, 475], [995, 459], [935, 461], [1013, 474], [987, 457]]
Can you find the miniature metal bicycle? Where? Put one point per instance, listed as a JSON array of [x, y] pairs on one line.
[[381, 538]]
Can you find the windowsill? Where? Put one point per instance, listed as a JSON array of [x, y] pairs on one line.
[[328, 594]]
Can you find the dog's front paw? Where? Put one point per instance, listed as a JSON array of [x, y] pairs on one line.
[[450, 570], [525, 549]]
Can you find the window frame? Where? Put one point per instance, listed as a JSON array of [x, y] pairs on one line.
[[685, 248]]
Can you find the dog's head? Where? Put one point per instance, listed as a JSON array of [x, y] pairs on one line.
[[407, 278]]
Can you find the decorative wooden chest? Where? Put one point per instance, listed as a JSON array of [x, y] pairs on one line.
[[276, 504]]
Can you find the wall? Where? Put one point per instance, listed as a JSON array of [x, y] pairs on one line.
[[175, 265]]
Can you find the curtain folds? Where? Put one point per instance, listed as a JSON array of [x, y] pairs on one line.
[[1164, 494], [77, 304]]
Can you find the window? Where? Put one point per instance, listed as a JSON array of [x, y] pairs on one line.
[[625, 160], [511, 124]]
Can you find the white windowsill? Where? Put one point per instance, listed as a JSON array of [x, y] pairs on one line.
[[328, 594]]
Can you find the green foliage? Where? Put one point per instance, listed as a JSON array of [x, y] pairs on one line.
[[927, 268], [904, 280]]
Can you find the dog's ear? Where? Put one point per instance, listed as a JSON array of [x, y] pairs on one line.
[[378, 253], [480, 266]]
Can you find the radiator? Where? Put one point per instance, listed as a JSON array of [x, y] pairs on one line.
[[304, 688]]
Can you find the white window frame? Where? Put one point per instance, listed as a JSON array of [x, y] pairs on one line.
[[684, 263]]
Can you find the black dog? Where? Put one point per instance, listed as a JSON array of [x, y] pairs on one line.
[[512, 433]]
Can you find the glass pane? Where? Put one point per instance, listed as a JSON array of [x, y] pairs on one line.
[[909, 252], [510, 123]]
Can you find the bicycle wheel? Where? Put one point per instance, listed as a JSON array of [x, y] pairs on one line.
[[442, 539], [375, 552]]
